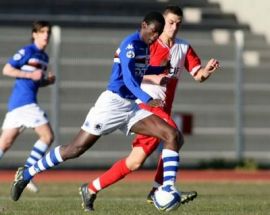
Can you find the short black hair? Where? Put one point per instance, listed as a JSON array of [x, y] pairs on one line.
[[173, 9], [154, 16]]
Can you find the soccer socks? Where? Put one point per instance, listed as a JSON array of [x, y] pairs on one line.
[[170, 166], [118, 171], [52, 158], [38, 151]]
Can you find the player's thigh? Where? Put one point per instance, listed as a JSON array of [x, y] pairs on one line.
[[44, 131], [8, 136], [153, 126]]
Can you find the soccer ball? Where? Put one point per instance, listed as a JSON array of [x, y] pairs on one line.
[[167, 198]]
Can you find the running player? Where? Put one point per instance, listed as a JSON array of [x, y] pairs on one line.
[[163, 87], [116, 109], [28, 66]]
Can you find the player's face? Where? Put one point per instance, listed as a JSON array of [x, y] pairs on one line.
[[172, 25], [150, 32], [41, 38]]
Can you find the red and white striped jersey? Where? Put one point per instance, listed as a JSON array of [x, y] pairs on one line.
[[182, 57]]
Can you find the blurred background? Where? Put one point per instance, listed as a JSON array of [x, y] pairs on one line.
[[226, 119]]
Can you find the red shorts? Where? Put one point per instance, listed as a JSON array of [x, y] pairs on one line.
[[149, 144]]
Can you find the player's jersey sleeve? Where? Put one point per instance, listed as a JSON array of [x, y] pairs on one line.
[[20, 58], [192, 61], [133, 69]]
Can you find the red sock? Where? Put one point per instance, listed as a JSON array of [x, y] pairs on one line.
[[118, 171], [159, 172]]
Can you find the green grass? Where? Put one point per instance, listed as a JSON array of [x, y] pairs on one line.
[[129, 198]]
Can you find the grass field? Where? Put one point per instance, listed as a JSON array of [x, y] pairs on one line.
[[129, 198]]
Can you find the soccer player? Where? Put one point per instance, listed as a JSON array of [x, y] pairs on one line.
[[163, 87], [28, 66], [116, 109]]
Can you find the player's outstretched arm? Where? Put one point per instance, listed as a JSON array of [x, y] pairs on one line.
[[205, 72], [10, 71]]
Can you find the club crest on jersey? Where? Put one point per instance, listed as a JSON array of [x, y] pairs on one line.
[[130, 54], [19, 55], [129, 46]]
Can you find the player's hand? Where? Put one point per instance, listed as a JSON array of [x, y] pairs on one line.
[[156, 103], [212, 65], [36, 75], [51, 78], [166, 79]]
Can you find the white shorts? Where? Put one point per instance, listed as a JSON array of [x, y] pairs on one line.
[[29, 116], [112, 112]]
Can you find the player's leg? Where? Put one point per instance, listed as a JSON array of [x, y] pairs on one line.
[[172, 139], [78, 146], [54, 157], [7, 138], [39, 149], [119, 170], [186, 196], [143, 146], [158, 178]]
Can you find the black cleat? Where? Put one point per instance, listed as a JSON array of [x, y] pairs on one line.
[[185, 196], [18, 185], [188, 196], [87, 198], [150, 196]]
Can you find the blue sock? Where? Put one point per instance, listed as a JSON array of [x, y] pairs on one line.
[[38, 151], [51, 159], [170, 166]]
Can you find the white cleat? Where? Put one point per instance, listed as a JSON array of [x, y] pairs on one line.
[[32, 187]]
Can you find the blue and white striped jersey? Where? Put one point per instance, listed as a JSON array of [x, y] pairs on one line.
[[27, 59]]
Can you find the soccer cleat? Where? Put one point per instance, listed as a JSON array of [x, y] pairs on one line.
[[150, 196], [18, 184], [185, 196], [31, 186], [87, 198], [188, 196]]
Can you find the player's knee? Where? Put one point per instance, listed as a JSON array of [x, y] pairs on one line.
[[47, 138], [175, 140], [135, 165]]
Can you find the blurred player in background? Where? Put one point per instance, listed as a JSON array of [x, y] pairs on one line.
[[28, 66], [163, 87], [116, 109]]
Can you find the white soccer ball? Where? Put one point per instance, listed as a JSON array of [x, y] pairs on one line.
[[167, 198]]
